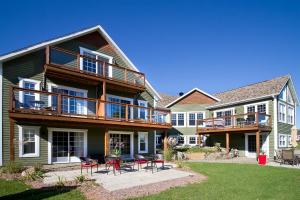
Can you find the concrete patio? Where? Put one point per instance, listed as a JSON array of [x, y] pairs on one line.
[[126, 179]]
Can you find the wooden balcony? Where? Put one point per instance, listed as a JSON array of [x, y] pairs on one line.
[[71, 66], [46, 107], [236, 123]]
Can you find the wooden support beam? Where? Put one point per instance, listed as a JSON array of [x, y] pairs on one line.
[[102, 106], [165, 140], [11, 140], [257, 143], [106, 143], [227, 143]]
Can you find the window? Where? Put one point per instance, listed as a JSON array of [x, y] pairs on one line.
[[142, 112], [251, 109], [158, 141], [282, 140], [143, 142], [29, 141], [194, 117], [289, 97], [226, 115], [178, 119], [192, 140], [27, 99], [290, 115], [88, 62], [290, 140], [282, 95], [261, 108], [282, 110], [118, 110], [180, 140]]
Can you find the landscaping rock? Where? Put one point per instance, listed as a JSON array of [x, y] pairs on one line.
[[28, 171]]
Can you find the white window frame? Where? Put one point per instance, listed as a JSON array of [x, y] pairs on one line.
[[285, 136], [256, 105], [184, 117], [36, 141], [36, 87], [189, 139], [110, 58], [184, 139], [196, 117], [139, 109], [146, 142], [223, 110], [292, 115], [284, 111], [85, 93]]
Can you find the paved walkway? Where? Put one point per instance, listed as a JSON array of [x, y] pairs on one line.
[[124, 180]]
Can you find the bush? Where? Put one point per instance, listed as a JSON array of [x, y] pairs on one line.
[[168, 154], [179, 164], [60, 182], [197, 149], [80, 179], [12, 167]]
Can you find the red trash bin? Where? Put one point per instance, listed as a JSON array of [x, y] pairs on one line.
[[262, 159]]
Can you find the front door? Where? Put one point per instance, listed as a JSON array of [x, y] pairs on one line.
[[121, 142]]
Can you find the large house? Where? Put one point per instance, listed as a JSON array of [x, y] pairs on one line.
[[254, 119], [72, 96]]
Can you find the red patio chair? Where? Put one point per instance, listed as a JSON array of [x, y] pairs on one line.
[[139, 159], [87, 163]]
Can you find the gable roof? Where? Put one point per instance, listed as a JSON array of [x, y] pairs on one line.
[[188, 93], [36, 47], [256, 91]]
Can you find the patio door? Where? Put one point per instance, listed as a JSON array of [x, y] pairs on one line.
[[250, 144], [123, 142], [68, 146]]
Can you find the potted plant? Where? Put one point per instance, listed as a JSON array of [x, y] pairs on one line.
[[262, 158]]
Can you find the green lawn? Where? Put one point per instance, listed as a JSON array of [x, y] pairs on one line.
[[237, 181], [18, 190], [225, 181]]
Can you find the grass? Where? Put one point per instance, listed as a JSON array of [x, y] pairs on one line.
[[237, 181], [18, 190]]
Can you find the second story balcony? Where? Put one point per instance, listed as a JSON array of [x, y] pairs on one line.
[[236, 123], [88, 68], [43, 105]]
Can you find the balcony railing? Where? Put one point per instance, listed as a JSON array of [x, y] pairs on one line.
[[57, 104], [90, 65], [239, 121]]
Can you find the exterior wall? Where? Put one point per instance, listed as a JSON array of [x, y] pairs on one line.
[[31, 66], [196, 98]]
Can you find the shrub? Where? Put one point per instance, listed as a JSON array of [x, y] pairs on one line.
[[168, 154], [179, 164], [12, 167], [197, 149], [60, 182], [218, 146], [80, 179]]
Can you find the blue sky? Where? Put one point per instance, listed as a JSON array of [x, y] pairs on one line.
[[213, 45]]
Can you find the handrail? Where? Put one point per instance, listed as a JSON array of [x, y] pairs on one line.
[[234, 121], [150, 112], [77, 56]]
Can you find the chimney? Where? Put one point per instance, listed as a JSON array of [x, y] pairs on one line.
[[181, 93]]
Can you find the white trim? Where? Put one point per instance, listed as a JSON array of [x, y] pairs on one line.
[[286, 140], [265, 145], [223, 110], [1, 102], [131, 139], [189, 92], [146, 142], [293, 115], [36, 141], [98, 28], [275, 130], [184, 113], [188, 137], [50, 140], [110, 58], [196, 118]]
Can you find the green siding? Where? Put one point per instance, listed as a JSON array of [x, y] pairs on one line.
[[31, 66], [284, 128]]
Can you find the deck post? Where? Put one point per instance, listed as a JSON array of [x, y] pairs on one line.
[[102, 101], [165, 140], [11, 140], [257, 144], [227, 143], [106, 143]]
